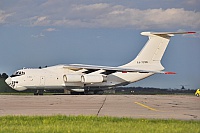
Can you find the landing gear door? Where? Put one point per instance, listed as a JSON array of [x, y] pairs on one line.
[[42, 81]]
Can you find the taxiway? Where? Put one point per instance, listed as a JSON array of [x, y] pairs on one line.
[[136, 106]]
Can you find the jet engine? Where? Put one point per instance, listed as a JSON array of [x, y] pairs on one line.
[[93, 79], [72, 78]]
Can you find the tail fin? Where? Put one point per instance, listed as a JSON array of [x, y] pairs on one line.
[[153, 51]]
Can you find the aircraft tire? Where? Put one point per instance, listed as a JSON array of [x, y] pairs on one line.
[[99, 92], [89, 92], [35, 93]]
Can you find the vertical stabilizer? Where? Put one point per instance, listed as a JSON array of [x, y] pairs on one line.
[[152, 52]]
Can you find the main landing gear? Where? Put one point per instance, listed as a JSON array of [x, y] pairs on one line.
[[96, 92], [38, 92]]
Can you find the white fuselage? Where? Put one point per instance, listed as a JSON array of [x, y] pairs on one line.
[[54, 78]]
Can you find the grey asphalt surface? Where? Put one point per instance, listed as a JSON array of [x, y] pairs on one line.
[[181, 107]]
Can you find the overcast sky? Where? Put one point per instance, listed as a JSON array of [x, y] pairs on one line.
[[37, 33]]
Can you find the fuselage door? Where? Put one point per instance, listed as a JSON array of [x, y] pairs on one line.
[[42, 81]]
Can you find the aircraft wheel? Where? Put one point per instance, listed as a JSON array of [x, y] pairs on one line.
[[35, 93], [197, 95], [89, 92], [99, 92], [40, 92]]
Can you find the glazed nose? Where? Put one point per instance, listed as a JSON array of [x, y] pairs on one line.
[[8, 80]]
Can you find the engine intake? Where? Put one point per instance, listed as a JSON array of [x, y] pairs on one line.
[[72, 78]]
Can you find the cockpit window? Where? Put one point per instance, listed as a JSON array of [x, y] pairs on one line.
[[18, 73]]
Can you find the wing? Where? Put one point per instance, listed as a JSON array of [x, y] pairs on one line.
[[109, 70]]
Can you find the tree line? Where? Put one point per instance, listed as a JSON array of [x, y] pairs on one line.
[[3, 75]]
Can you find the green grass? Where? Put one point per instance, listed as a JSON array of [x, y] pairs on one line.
[[90, 124]]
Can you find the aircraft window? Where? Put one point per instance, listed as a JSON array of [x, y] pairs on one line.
[[14, 75], [18, 73]]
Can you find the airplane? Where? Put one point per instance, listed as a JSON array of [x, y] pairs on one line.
[[92, 78]]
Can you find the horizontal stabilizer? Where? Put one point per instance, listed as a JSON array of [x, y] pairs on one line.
[[166, 33]]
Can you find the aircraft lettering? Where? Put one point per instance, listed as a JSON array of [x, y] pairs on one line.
[[142, 62]]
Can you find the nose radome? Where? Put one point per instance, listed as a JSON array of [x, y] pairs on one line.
[[8, 80]]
